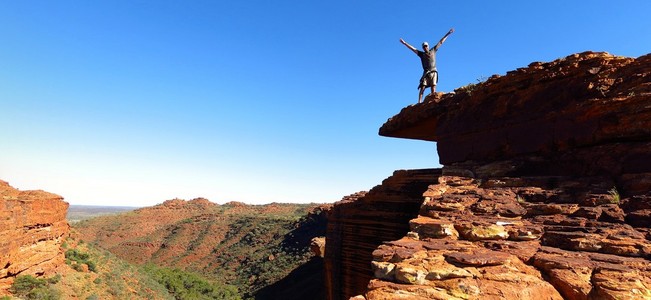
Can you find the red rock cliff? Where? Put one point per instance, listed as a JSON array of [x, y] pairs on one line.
[[361, 222], [586, 114], [32, 227], [545, 191]]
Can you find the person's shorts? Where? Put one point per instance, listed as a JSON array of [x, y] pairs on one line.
[[429, 79]]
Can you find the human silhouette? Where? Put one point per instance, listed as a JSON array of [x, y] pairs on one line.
[[428, 59]]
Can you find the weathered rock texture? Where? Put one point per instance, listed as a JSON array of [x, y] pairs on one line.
[[545, 191], [32, 227], [317, 246], [513, 239], [583, 115], [359, 223]]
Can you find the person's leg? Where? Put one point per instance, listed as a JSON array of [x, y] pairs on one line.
[[435, 80], [420, 93]]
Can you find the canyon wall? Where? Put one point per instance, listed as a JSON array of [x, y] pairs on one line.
[[361, 222], [32, 228], [545, 192]]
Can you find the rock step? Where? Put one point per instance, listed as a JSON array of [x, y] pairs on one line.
[[465, 232], [456, 269], [466, 229]]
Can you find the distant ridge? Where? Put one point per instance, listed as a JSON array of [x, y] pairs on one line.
[[251, 246], [77, 213]]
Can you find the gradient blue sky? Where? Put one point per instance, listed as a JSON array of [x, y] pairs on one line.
[[136, 102]]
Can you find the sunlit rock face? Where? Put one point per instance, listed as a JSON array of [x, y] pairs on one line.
[[32, 228], [545, 191], [359, 223], [587, 114]]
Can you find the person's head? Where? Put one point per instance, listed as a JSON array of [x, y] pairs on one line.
[[425, 46]]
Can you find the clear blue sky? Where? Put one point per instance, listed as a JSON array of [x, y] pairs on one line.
[[136, 102]]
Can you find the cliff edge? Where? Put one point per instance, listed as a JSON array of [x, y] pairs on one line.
[[545, 192], [32, 228]]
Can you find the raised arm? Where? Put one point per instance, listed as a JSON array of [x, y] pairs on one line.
[[409, 46], [436, 48]]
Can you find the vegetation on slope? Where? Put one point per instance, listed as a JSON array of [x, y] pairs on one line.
[[105, 276], [90, 273], [29, 287], [98, 274], [250, 247], [186, 285]]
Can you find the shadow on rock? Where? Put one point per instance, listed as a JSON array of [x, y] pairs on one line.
[[305, 282]]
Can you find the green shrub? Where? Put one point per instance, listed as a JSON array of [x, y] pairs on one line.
[[469, 88], [44, 293], [184, 285], [74, 255], [24, 284], [92, 297], [54, 279], [91, 266], [77, 267], [30, 287], [615, 195], [520, 199]]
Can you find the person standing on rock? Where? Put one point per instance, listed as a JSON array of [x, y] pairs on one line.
[[428, 60]]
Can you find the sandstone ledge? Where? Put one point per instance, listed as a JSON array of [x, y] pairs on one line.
[[583, 99]]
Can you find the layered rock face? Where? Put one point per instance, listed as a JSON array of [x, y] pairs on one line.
[[32, 227], [359, 223], [583, 115], [545, 191], [514, 239]]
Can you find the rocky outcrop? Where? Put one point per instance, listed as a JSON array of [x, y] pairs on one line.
[[545, 191], [359, 223], [32, 227], [503, 239], [586, 114], [317, 246]]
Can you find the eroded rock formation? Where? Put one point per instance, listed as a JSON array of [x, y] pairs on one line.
[[32, 227], [361, 222], [498, 239], [545, 191]]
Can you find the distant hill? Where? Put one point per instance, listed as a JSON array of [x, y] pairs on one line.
[[77, 213], [250, 246]]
